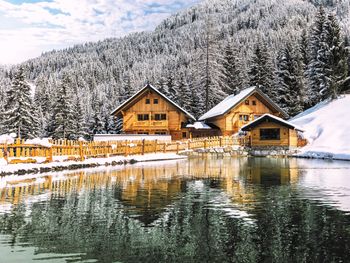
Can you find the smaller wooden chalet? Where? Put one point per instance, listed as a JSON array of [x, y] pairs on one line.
[[269, 130], [238, 110], [150, 112]]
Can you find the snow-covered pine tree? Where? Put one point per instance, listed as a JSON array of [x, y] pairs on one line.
[[232, 70], [209, 69], [261, 69], [96, 122], [19, 115], [336, 59], [170, 86], [62, 124], [184, 92], [80, 125], [303, 49], [317, 60], [289, 88]]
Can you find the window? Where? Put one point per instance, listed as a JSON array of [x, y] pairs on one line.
[[148, 101], [247, 102], [254, 102], [244, 117], [184, 135], [160, 133], [155, 101], [269, 134], [142, 117], [160, 117]]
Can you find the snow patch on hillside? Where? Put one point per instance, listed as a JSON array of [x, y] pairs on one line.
[[327, 129]]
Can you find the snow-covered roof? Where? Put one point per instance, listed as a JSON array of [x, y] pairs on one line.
[[233, 100], [273, 118], [198, 125], [148, 86]]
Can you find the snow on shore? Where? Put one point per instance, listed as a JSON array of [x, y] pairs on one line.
[[327, 129], [58, 161]]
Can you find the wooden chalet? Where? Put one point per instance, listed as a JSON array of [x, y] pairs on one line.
[[150, 112], [269, 130], [238, 110]]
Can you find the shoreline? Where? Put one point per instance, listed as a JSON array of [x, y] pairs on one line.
[[61, 165]]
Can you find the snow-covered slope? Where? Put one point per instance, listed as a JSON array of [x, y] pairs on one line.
[[327, 128]]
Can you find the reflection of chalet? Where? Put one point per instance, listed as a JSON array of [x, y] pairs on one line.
[[151, 112], [238, 110], [269, 130]]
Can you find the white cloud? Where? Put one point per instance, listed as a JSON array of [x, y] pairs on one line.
[[28, 29]]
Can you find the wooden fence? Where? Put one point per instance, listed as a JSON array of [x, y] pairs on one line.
[[75, 150]]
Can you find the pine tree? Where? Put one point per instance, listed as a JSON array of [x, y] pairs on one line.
[[20, 116], [289, 89], [303, 49], [96, 122], [62, 122], [80, 125], [261, 70], [317, 61], [336, 59], [232, 70], [210, 70]]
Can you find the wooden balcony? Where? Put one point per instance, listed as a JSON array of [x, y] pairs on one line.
[[152, 124]]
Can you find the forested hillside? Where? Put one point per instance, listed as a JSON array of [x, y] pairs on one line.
[[292, 49]]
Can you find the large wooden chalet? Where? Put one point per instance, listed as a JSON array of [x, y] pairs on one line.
[[150, 112], [230, 115]]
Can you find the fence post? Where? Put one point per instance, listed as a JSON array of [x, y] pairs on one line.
[[126, 149], [81, 151], [164, 147], [5, 153], [50, 158], [143, 147], [155, 146], [205, 143], [177, 147], [220, 138]]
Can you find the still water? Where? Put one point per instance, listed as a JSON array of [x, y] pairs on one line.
[[197, 210]]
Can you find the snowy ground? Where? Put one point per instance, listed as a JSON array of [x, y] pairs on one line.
[[327, 128], [59, 161]]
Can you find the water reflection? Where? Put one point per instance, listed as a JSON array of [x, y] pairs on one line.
[[211, 210]]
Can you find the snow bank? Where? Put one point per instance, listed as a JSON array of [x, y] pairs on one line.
[[7, 138], [327, 129], [59, 162]]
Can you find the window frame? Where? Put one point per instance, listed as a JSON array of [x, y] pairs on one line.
[[155, 101], [246, 102], [142, 117], [148, 101]]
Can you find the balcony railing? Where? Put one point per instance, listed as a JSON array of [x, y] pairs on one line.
[[151, 124]]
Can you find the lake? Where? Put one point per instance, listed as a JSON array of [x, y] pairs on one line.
[[196, 210]]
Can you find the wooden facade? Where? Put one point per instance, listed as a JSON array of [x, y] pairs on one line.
[[269, 130], [246, 106], [151, 112]]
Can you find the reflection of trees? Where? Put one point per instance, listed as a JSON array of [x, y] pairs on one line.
[[161, 214]]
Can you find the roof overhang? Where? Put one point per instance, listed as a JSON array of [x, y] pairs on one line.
[[146, 88], [271, 118], [254, 90]]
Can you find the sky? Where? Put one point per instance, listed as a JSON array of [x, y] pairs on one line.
[[30, 27]]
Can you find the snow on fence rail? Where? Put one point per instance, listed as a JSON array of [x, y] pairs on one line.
[[81, 150]]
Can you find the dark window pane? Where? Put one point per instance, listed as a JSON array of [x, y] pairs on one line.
[[254, 102], [247, 102], [269, 134], [155, 101], [148, 101]]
